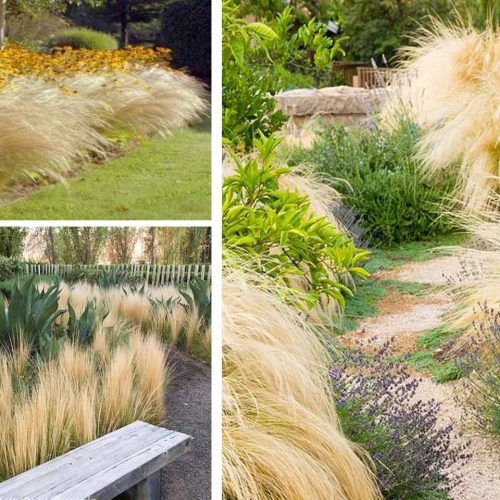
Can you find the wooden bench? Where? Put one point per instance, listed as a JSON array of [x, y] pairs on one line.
[[127, 461]]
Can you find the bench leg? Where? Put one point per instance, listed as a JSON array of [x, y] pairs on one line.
[[149, 489]]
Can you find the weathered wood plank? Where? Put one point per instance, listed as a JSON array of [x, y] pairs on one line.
[[149, 489], [139, 428], [122, 476], [103, 468]]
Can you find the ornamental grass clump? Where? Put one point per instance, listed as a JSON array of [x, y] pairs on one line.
[[144, 102], [380, 409], [32, 116], [92, 96], [479, 283], [75, 397], [281, 435], [454, 94]]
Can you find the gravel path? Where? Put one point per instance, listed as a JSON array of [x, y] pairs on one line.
[[404, 318], [189, 411], [434, 272]]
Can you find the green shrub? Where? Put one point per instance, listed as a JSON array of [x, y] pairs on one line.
[[10, 267], [275, 230], [259, 60], [83, 38], [377, 173], [186, 30]]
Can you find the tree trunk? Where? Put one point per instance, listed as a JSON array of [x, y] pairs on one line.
[[152, 245], [52, 246], [124, 7], [3, 8]]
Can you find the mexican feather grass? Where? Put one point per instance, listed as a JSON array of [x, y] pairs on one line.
[[454, 94], [47, 127], [81, 394], [281, 436]]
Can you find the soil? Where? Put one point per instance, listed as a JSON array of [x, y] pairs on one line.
[[188, 403], [404, 318]]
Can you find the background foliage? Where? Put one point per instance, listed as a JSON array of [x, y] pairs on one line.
[[377, 174]]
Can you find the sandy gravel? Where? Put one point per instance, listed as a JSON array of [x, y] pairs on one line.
[[404, 320], [434, 272], [402, 326], [189, 411]]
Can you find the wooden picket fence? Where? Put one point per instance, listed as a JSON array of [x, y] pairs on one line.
[[154, 274]]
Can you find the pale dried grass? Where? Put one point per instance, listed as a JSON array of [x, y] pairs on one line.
[[47, 127], [281, 436], [78, 396], [454, 94], [479, 290], [33, 115], [146, 102]]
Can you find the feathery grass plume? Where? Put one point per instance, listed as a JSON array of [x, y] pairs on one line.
[[134, 307], [76, 397], [117, 404], [478, 291], [281, 436], [454, 94], [152, 374], [146, 102], [32, 116]]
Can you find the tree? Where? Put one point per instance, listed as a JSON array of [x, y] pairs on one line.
[[150, 245], [206, 250], [33, 7], [376, 28], [121, 244], [182, 245], [81, 245], [3, 11], [12, 241], [186, 29], [122, 12]]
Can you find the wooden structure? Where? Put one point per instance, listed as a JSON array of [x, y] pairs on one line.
[[348, 70], [154, 274], [127, 460], [373, 78]]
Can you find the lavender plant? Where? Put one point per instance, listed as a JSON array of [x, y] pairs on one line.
[[379, 409], [483, 366]]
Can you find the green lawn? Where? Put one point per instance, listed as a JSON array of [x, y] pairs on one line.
[[162, 179]]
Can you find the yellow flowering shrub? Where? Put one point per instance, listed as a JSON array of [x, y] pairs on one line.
[[15, 60]]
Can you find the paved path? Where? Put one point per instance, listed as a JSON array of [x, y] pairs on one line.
[[189, 411]]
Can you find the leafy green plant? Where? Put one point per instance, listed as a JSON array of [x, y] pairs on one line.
[[262, 58], [275, 229], [83, 38], [112, 278], [10, 267], [81, 330], [199, 298], [29, 314], [382, 180]]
